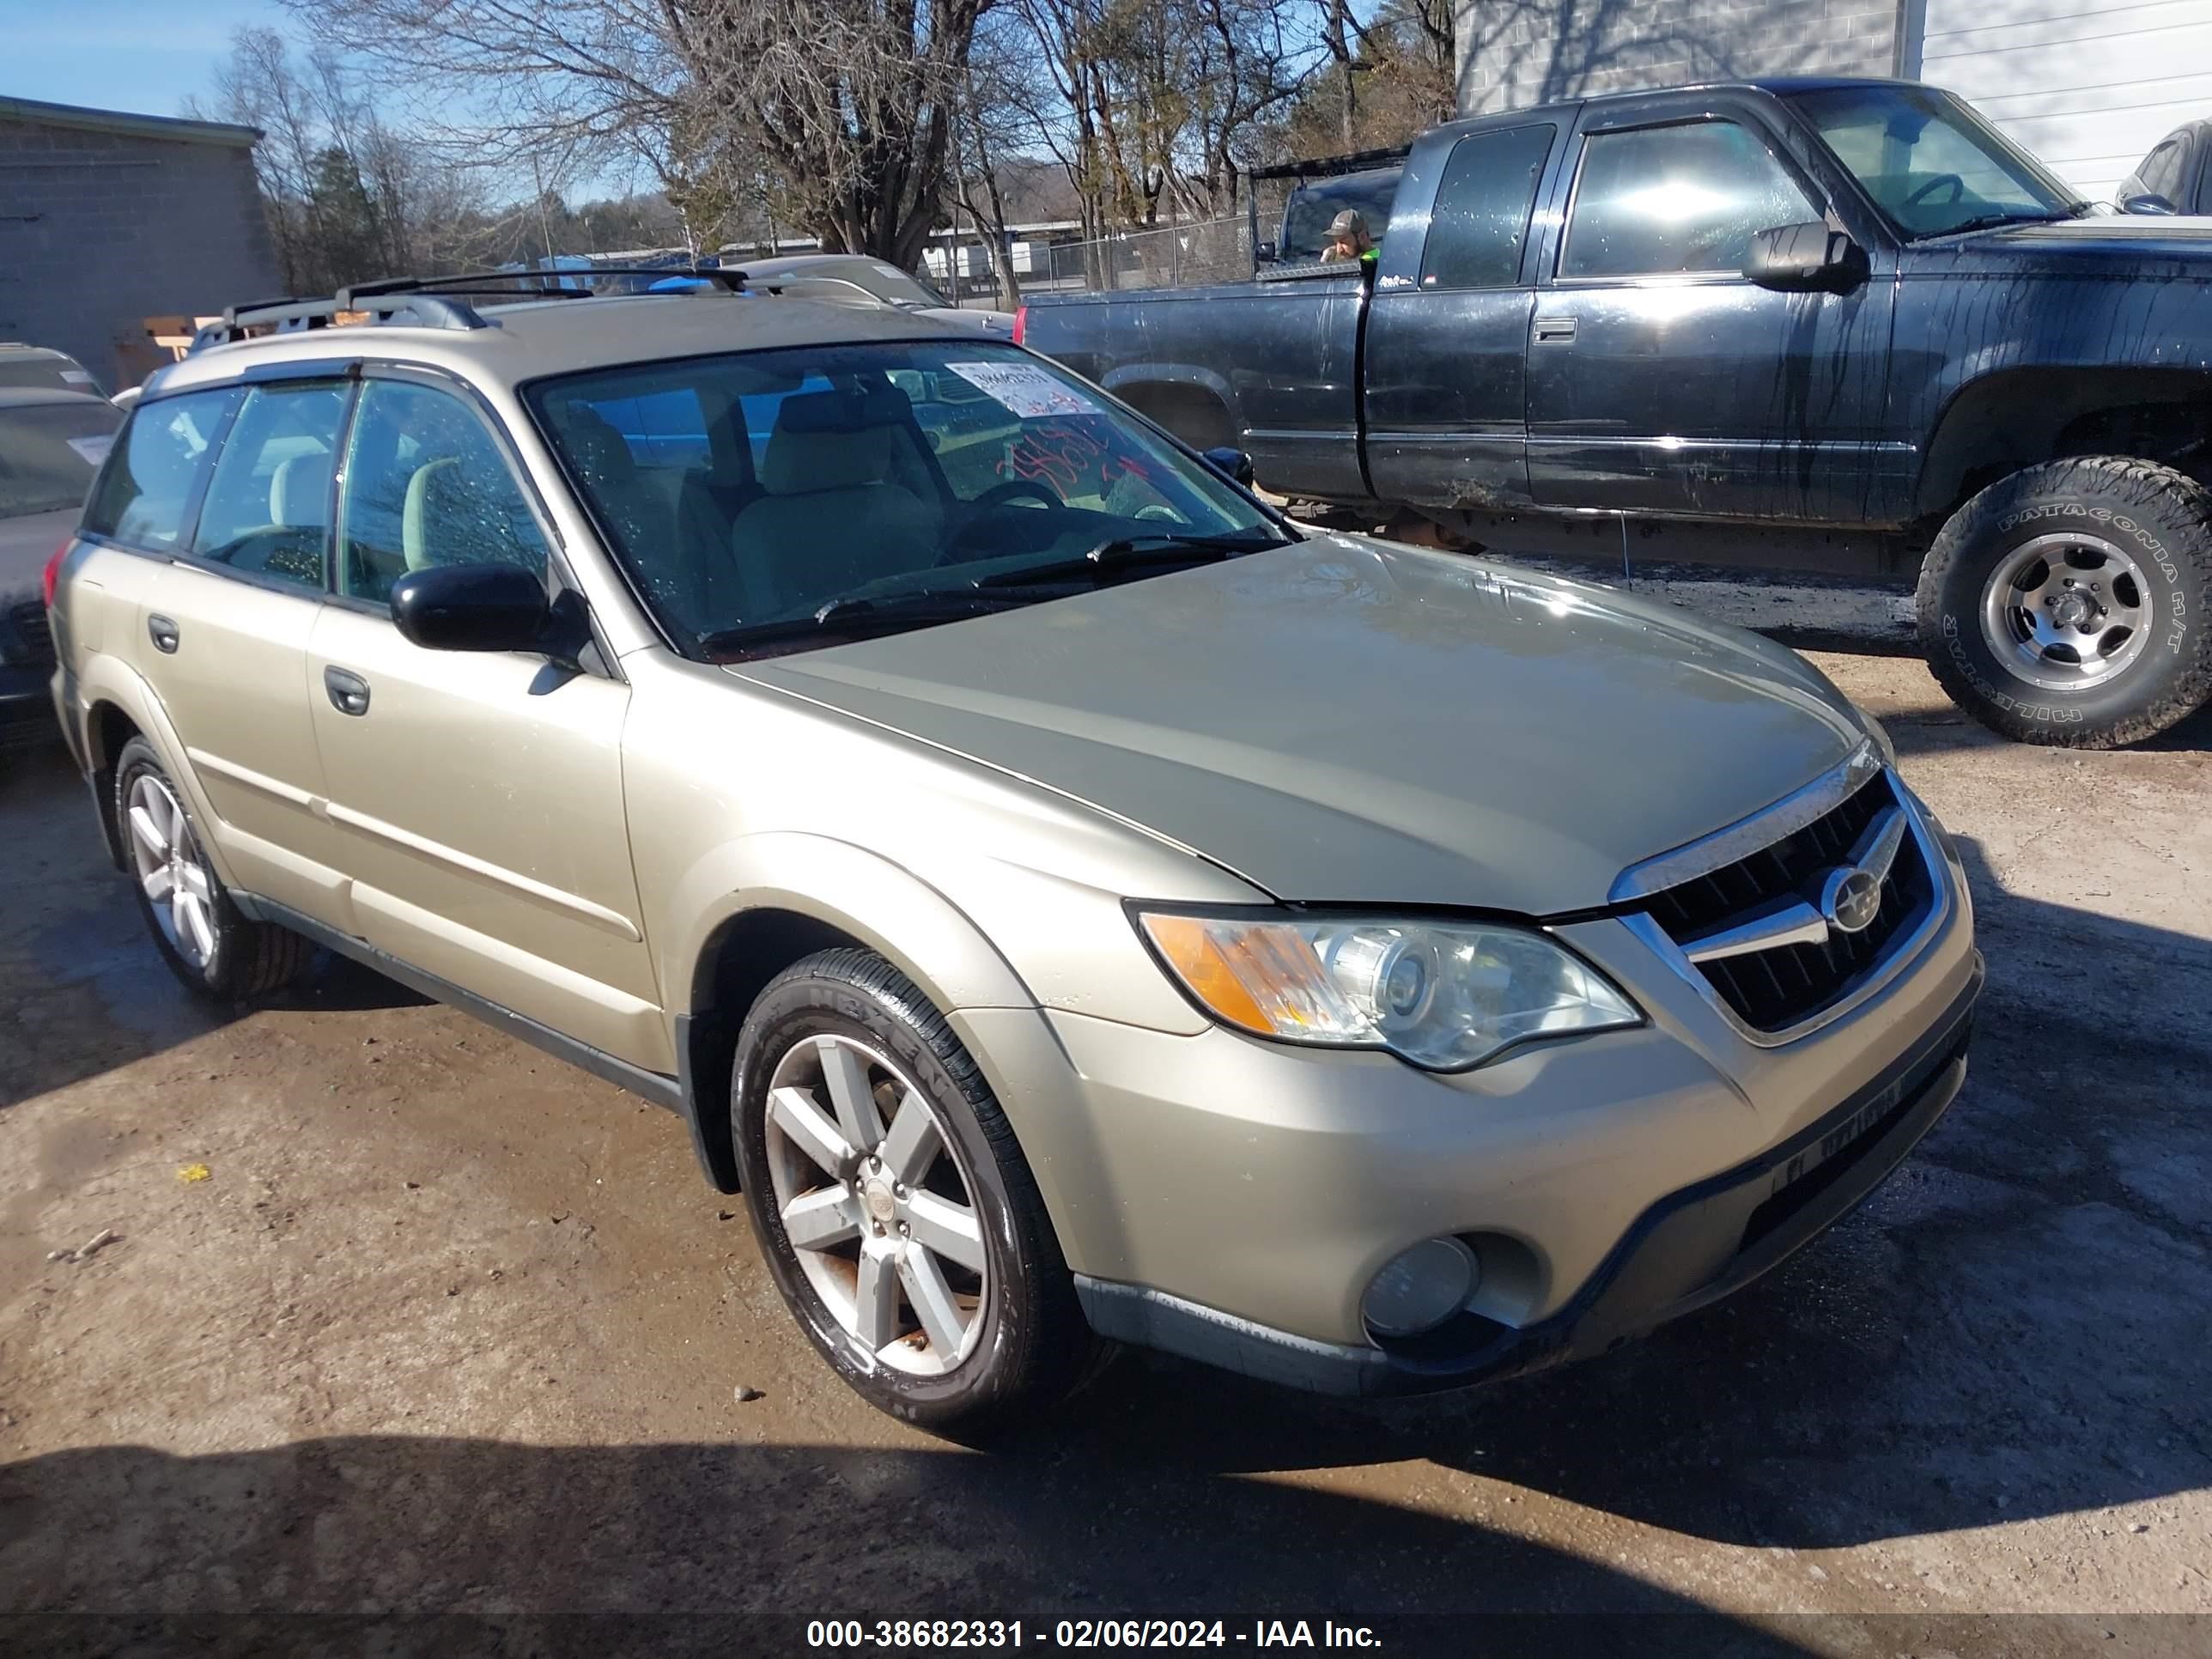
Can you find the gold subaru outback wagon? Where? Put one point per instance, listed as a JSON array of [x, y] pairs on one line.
[[1070, 901]]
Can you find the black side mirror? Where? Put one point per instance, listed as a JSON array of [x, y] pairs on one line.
[[1265, 253], [1231, 463], [472, 607], [1806, 258], [2146, 201]]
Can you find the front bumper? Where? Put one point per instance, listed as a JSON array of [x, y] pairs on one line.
[[1688, 1250], [1230, 1198]]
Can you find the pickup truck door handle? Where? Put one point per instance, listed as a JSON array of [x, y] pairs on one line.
[[163, 633], [349, 691], [1554, 330]]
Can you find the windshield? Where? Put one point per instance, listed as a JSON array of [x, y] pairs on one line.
[[1931, 164], [755, 490], [49, 452], [55, 374], [1306, 220]]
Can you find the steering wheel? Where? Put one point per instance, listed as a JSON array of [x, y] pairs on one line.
[[999, 495], [1014, 489], [1957, 189]]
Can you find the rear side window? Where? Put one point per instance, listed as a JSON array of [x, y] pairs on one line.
[[2160, 174], [1483, 205], [268, 507], [1306, 219], [154, 470], [1659, 200], [426, 484]]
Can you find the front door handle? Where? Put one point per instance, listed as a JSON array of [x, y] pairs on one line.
[[164, 632], [349, 691], [1554, 330]]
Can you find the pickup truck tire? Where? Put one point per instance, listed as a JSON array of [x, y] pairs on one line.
[[860, 1237], [213, 948], [2068, 603]]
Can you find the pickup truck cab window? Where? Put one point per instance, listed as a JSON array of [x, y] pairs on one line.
[[1481, 221], [1656, 201], [144, 495], [268, 507], [1931, 166]]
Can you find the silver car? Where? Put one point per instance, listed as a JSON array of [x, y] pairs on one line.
[[1072, 902], [52, 440]]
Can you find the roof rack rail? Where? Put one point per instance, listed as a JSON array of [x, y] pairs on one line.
[[430, 301], [429, 310]]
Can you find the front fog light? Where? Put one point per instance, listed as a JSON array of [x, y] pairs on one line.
[[1420, 1288]]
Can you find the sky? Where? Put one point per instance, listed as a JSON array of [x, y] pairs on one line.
[[143, 56]]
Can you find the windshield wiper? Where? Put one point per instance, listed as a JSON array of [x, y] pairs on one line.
[[865, 615], [1992, 221], [1132, 552]]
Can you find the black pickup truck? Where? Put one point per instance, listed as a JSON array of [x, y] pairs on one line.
[[1829, 324]]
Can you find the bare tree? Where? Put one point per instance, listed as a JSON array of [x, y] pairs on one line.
[[345, 195], [848, 103], [1157, 105]]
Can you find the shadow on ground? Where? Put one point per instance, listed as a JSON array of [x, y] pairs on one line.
[[512, 1534], [83, 990]]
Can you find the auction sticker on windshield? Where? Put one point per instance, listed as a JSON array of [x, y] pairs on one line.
[[1025, 389]]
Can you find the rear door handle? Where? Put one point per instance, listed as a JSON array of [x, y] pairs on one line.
[[1554, 330], [164, 632], [349, 691]]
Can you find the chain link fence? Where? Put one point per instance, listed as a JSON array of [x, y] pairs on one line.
[[1161, 256]]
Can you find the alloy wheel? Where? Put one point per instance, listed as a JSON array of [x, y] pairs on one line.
[[172, 872], [877, 1206], [2067, 612]]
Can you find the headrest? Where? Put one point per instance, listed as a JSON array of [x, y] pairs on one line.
[[601, 453], [300, 490], [799, 463], [843, 411]]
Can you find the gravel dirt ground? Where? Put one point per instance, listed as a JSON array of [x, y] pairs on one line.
[[396, 1317]]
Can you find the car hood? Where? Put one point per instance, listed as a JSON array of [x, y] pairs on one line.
[[1344, 720], [2140, 243], [27, 542]]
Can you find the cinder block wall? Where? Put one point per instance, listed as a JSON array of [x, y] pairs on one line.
[[99, 229], [1516, 54]]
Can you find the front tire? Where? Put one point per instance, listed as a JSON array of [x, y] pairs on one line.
[[2066, 603], [898, 1218], [215, 951]]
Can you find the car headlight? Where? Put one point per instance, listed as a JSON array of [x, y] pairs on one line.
[[1443, 995]]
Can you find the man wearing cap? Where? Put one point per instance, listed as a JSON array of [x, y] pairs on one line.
[[1348, 239]]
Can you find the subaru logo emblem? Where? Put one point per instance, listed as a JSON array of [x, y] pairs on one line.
[[1850, 899]]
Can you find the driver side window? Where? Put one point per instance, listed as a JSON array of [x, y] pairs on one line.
[[1661, 201], [425, 485]]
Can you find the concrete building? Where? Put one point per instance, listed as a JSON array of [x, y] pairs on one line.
[[2088, 89], [106, 219]]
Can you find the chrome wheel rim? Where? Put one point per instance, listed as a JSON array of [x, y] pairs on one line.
[[878, 1209], [174, 877], [2067, 612]]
